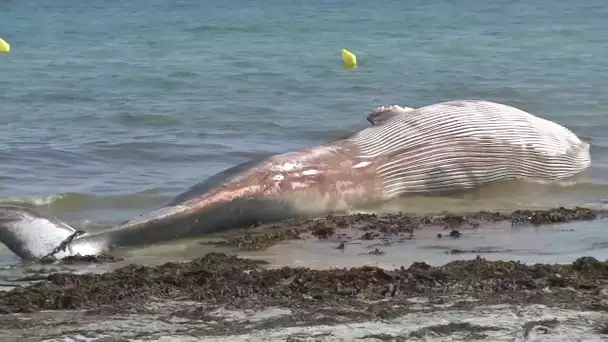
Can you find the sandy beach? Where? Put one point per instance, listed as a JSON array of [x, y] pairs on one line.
[[241, 296]]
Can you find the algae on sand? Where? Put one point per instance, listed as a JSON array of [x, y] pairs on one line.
[[219, 278], [188, 292], [402, 225]]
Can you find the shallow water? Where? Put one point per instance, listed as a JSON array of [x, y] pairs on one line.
[[556, 243], [110, 109], [560, 243]]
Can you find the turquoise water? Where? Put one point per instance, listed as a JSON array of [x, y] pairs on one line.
[[110, 108]]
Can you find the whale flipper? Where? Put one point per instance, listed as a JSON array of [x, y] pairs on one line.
[[28, 234], [383, 113]]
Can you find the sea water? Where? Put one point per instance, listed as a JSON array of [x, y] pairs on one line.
[[108, 109]]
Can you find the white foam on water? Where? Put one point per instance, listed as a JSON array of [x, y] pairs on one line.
[[35, 200]]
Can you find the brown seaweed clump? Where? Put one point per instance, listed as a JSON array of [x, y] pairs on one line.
[[557, 215], [221, 279], [79, 259], [401, 225], [251, 242]]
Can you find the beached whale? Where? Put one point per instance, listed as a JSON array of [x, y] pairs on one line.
[[443, 147]]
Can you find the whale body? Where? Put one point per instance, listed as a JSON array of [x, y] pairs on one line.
[[444, 147]]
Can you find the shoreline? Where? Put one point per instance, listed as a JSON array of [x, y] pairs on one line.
[[396, 225], [222, 291]]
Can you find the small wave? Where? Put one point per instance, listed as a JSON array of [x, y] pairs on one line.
[[156, 83], [183, 74], [149, 120], [46, 96], [32, 200], [66, 97], [75, 202], [224, 29]]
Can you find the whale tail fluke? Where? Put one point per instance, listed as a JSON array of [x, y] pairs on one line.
[[30, 235]]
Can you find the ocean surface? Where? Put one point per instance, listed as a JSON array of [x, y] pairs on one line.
[[110, 108]]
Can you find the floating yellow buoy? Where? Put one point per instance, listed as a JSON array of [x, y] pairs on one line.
[[350, 60], [4, 46]]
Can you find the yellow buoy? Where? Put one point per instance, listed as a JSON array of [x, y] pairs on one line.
[[4, 46], [350, 60]]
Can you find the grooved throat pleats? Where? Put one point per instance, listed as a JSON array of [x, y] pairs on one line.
[[463, 144]]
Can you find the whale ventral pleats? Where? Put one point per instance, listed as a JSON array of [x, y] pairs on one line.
[[383, 113]]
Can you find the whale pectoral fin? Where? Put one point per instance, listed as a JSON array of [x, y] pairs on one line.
[[28, 234], [383, 113]]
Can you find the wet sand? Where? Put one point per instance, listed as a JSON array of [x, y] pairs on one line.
[[235, 297]]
